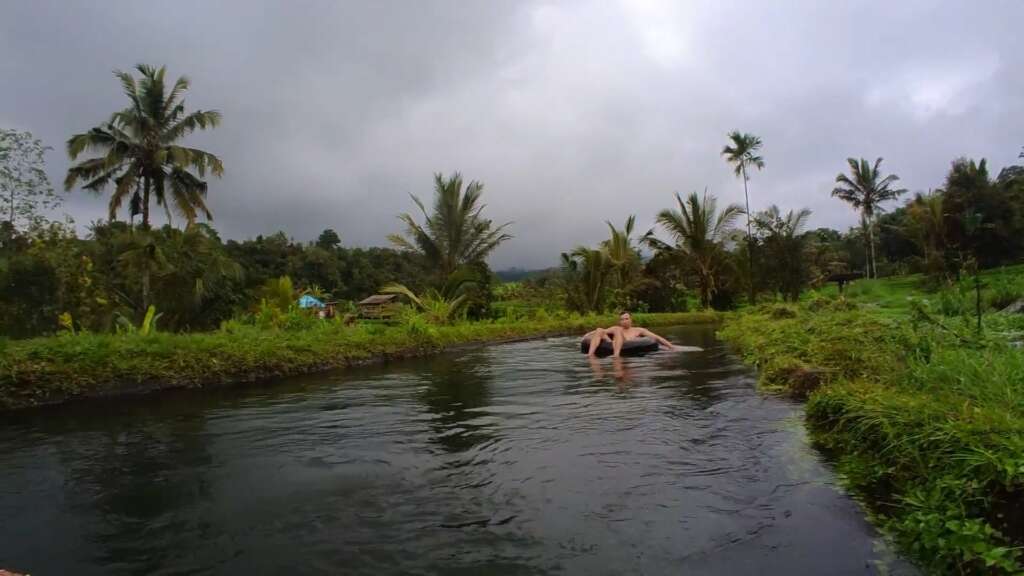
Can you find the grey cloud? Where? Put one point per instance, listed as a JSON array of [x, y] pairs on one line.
[[571, 113]]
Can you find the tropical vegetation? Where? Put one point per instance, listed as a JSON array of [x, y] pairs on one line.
[[698, 232], [921, 412], [912, 373], [741, 153], [865, 189], [454, 233]]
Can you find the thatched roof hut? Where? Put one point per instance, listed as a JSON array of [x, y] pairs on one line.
[[378, 306]]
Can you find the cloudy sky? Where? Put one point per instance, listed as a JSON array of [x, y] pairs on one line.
[[571, 113]]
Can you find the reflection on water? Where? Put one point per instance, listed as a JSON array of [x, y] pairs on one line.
[[525, 458], [456, 387], [622, 372]]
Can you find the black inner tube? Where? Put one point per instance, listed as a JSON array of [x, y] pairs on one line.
[[634, 347]]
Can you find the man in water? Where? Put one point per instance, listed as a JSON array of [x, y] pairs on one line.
[[618, 335]]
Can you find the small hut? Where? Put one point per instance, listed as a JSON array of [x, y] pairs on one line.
[[378, 306]]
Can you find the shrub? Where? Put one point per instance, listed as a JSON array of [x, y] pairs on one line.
[[1004, 291], [417, 325], [782, 311], [953, 301]]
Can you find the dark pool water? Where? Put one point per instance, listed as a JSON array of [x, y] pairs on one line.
[[513, 459]]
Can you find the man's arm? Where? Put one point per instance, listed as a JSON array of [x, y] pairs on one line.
[[662, 341]]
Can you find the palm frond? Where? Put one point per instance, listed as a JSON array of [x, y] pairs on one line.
[[396, 288], [454, 232], [198, 120]]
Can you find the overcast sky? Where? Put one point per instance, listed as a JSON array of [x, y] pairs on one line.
[[570, 113]]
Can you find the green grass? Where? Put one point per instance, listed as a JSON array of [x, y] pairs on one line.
[[924, 416], [894, 297], [49, 370]]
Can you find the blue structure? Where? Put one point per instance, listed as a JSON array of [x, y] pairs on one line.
[[308, 301]]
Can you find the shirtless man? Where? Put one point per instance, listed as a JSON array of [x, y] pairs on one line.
[[617, 335]]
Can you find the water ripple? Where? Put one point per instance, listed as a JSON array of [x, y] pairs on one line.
[[517, 459]]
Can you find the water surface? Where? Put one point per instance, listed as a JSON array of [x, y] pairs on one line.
[[514, 459]]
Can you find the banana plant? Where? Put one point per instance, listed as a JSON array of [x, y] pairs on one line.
[[147, 327]]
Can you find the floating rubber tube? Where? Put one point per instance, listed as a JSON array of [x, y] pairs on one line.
[[634, 347]]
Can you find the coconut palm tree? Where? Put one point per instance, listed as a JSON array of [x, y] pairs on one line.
[[865, 189], [586, 273], [455, 233], [140, 154], [698, 231], [625, 258], [784, 246], [742, 153], [771, 221]]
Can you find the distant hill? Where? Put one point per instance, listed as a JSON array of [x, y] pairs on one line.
[[519, 274]]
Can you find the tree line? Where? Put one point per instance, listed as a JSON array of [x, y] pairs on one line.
[[972, 221], [52, 279]]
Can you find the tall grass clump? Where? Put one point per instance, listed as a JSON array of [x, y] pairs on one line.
[[1004, 290]]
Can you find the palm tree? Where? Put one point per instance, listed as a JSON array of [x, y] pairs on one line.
[[278, 293], [784, 246], [743, 153], [866, 189], [443, 305], [586, 272], [201, 243], [316, 291], [139, 151], [145, 257], [455, 233], [698, 230], [773, 222], [435, 306], [927, 225], [625, 258]]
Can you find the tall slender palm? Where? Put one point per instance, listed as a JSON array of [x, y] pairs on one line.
[[742, 153], [455, 233], [697, 229], [139, 152], [865, 189]]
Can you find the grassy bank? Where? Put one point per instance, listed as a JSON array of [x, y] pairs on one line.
[[924, 416], [50, 370], [894, 296]]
